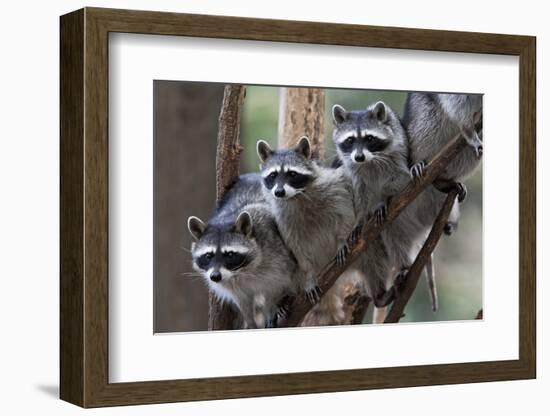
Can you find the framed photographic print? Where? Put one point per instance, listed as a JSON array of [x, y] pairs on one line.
[[257, 207]]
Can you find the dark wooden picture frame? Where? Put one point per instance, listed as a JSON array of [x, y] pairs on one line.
[[84, 207]]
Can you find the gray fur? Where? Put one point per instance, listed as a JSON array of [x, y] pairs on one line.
[[243, 219], [315, 221], [432, 120], [382, 175]]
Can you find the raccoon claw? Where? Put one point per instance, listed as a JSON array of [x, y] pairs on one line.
[[380, 214], [447, 186], [479, 151], [282, 313], [314, 295], [384, 298], [400, 279], [417, 170], [342, 255], [474, 141], [449, 229], [355, 234], [387, 297], [462, 192], [284, 307]]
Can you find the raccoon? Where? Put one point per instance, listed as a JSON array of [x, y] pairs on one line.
[[242, 257], [313, 207], [431, 121], [372, 147]]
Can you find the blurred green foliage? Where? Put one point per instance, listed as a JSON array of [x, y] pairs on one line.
[[458, 258]]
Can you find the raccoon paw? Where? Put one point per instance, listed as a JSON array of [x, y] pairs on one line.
[[313, 295], [479, 151], [355, 234], [400, 279], [283, 307], [384, 298], [380, 214], [449, 228], [281, 313], [342, 255], [417, 170], [462, 191], [447, 186], [474, 141]]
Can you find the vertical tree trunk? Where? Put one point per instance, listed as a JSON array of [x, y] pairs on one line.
[[302, 113], [223, 316]]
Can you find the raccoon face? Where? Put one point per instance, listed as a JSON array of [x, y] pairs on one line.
[[221, 252], [361, 136], [286, 173]]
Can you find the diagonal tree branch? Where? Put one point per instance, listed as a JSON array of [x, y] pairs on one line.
[[223, 316], [371, 231], [413, 275]]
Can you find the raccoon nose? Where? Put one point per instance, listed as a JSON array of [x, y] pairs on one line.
[[359, 157], [215, 276], [279, 192]]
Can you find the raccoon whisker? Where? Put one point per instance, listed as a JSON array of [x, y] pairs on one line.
[[190, 274], [239, 266]]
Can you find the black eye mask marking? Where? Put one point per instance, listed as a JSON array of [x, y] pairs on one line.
[[232, 260], [270, 179], [375, 144], [297, 180], [205, 261], [347, 145]]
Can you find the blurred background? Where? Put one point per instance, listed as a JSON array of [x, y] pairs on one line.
[[185, 140]]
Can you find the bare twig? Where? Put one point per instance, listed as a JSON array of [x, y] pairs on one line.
[[413, 275], [371, 231], [223, 316]]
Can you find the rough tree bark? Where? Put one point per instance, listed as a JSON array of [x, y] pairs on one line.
[[302, 113], [223, 316], [371, 231]]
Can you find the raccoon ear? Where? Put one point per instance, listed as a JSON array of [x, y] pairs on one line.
[[243, 224], [196, 227], [303, 147], [339, 114], [380, 111], [264, 150]]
